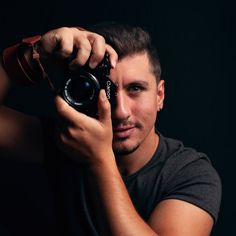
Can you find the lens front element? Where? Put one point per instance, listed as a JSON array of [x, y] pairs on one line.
[[81, 90]]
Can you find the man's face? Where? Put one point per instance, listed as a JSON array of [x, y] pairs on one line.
[[138, 99]]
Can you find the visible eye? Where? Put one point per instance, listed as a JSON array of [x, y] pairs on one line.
[[133, 89]]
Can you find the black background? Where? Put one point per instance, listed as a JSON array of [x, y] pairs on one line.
[[194, 43]]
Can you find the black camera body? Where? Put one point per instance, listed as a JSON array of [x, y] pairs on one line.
[[80, 88]]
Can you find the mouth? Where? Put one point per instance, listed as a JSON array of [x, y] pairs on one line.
[[123, 132]]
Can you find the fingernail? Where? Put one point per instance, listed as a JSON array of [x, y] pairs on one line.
[[103, 95], [92, 64], [113, 63]]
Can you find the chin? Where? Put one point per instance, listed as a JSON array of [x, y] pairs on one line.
[[124, 150]]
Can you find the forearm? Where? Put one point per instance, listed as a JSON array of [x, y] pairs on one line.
[[5, 83], [118, 209]]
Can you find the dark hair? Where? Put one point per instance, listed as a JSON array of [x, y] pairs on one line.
[[129, 40]]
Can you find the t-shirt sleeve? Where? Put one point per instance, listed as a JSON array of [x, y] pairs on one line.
[[193, 179]]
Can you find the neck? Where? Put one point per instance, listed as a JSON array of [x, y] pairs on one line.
[[129, 164]]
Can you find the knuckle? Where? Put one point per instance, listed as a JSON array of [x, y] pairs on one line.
[[81, 60], [64, 29], [59, 32], [85, 46], [100, 38], [56, 36], [98, 56], [65, 51], [96, 38]]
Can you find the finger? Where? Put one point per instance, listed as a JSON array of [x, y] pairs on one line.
[[65, 47], [84, 50], [62, 107], [60, 40], [98, 49], [113, 56], [69, 114], [64, 110], [104, 108], [48, 42]]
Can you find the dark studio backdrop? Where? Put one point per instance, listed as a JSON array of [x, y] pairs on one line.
[[193, 43]]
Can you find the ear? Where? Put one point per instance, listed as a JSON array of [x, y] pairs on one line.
[[160, 94]]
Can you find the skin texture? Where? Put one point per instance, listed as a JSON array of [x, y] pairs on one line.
[[118, 142], [138, 100]]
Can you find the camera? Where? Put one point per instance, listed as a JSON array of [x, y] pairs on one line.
[[80, 88]]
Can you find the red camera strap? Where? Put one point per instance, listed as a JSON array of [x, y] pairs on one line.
[[22, 62]]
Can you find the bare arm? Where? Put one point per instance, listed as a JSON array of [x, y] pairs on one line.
[[117, 209], [169, 218], [91, 139], [176, 217], [5, 84], [20, 136]]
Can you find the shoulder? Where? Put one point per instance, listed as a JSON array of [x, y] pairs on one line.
[[178, 157], [190, 176]]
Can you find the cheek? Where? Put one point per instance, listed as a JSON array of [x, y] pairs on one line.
[[146, 109]]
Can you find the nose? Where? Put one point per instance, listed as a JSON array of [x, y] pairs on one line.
[[122, 109]]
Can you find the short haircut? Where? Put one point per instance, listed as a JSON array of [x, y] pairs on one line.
[[128, 40]]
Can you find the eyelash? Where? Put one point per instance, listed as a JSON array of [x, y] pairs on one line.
[[135, 89]]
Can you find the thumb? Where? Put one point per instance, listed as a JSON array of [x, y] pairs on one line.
[[104, 108]]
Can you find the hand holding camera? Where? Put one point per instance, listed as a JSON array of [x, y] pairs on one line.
[[87, 71], [82, 136], [81, 87], [91, 66]]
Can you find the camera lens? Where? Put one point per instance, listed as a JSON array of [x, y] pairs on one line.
[[80, 90]]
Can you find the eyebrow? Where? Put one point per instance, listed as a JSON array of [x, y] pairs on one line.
[[140, 82]]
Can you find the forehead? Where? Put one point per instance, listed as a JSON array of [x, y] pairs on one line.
[[134, 67]]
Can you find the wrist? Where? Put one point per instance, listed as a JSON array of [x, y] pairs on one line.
[[21, 62], [102, 162]]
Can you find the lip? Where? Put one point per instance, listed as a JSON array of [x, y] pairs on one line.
[[122, 132]]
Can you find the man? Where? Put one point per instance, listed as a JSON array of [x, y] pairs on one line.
[[113, 175]]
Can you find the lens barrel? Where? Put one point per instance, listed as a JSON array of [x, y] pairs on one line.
[[81, 89]]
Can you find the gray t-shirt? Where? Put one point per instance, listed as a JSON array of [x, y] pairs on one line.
[[174, 172]]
